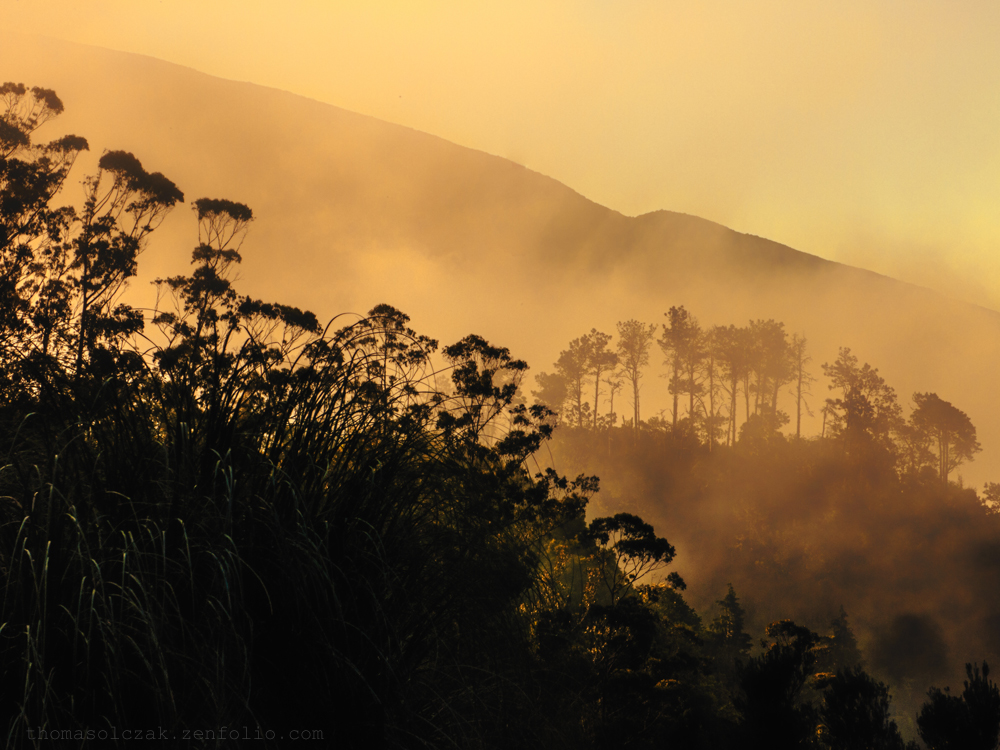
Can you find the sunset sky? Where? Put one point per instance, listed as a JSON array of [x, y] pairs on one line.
[[865, 132]]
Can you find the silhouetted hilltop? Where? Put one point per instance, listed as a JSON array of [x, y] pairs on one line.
[[353, 211]]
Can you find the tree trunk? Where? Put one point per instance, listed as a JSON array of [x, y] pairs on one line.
[[676, 382], [710, 422], [798, 405]]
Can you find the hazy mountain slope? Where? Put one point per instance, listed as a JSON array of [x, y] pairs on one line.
[[353, 211]]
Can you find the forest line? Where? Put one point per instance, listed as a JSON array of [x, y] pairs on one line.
[[726, 381]]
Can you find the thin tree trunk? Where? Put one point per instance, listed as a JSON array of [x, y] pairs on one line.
[[676, 382], [635, 424], [732, 412], [798, 405], [710, 424], [690, 386], [597, 393], [579, 403], [611, 413]]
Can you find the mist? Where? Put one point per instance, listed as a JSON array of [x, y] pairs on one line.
[[463, 241], [351, 211]]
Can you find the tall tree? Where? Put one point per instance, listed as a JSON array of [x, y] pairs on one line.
[[802, 379], [770, 363], [34, 252], [631, 551], [553, 390], [566, 386], [681, 345], [726, 633], [600, 361], [731, 345], [62, 273], [949, 429], [634, 340], [693, 372], [123, 205], [770, 699], [714, 341], [615, 384], [867, 412]]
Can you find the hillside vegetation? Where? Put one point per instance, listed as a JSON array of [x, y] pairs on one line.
[[226, 524]]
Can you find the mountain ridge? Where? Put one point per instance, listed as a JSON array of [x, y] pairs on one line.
[[774, 245]]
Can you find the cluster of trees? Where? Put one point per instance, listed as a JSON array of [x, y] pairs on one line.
[[708, 371], [224, 516], [725, 384]]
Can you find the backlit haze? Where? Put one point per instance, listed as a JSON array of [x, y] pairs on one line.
[[529, 172], [862, 132]]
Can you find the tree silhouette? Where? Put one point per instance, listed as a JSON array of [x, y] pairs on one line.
[[634, 340], [840, 649], [681, 345], [732, 347], [801, 378], [123, 205], [714, 339], [553, 390], [970, 721], [600, 360], [615, 384], [855, 713], [949, 429], [867, 413], [770, 363], [63, 273], [633, 550], [727, 637], [770, 687], [574, 366]]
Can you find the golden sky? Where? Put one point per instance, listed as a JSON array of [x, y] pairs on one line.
[[861, 131]]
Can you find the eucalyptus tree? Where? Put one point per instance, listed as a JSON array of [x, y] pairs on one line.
[[712, 372], [601, 361], [947, 428], [802, 379], [634, 341], [574, 366], [62, 272], [770, 362], [866, 413], [731, 346], [681, 343]]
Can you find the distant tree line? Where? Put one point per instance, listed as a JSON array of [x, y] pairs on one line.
[[726, 383]]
